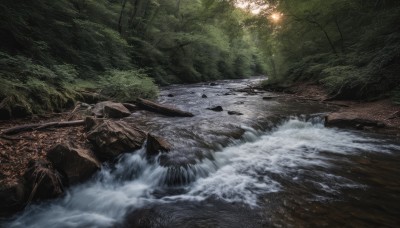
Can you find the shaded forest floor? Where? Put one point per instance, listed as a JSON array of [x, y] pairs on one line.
[[17, 150]]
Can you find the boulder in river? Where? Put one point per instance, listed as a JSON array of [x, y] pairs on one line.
[[77, 164], [235, 113], [347, 120], [216, 109], [12, 197], [111, 138], [110, 109], [43, 181], [269, 97], [203, 96], [156, 144]]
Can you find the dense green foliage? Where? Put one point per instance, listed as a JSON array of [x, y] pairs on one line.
[[50, 50], [350, 47]]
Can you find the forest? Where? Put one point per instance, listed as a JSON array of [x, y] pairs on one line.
[[53, 52]]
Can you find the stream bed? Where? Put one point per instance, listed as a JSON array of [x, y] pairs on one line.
[[276, 165]]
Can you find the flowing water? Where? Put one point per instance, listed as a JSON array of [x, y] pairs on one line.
[[274, 166]]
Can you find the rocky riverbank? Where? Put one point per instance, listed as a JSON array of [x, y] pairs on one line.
[[381, 116], [39, 161]]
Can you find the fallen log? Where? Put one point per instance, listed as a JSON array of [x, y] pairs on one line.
[[40, 126], [162, 109]]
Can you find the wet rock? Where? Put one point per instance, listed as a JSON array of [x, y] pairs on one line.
[[110, 109], [213, 84], [156, 144], [170, 95], [203, 96], [77, 164], [345, 120], [228, 93], [269, 98], [216, 109], [111, 138], [235, 113], [12, 197], [42, 181]]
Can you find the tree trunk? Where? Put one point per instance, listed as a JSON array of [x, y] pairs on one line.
[[120, 16], [313, 21], [162, 109], [40, 126], [341, 34]]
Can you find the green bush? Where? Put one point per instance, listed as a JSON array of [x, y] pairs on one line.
[[32, 88], [127, 86]]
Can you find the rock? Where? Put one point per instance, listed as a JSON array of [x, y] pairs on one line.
[[90, 123], [110, 109], [269, 98], [12, 197], [170, 95], [156, 144], [116, 110], [43, 181], [131, 107], [228, 93], [77, 164], [346, 120], [216, 109], [213, 84], [111, 138], [203, 96], [98, 109], [235, 113]]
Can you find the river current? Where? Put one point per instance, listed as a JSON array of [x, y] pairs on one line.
[[274, 166]]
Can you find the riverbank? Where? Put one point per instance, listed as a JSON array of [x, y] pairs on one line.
[[211, 153], [383, 112], [16, 151]]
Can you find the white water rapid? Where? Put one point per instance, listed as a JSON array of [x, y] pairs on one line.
[[240, 173]]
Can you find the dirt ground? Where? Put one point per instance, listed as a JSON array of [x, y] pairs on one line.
[[17, 150]]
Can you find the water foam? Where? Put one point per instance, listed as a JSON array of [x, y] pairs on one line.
[[238, 173]]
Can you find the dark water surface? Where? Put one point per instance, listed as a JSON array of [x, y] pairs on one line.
[[274, 166]]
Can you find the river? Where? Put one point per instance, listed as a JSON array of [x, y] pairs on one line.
[[274, 166]]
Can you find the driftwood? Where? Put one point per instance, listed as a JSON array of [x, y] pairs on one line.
[[40, 126], [162, 109]]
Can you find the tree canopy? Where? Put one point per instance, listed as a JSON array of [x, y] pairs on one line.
[[52, 50]]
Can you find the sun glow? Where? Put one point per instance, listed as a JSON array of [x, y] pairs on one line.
[[276, 17], [251, 7]]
